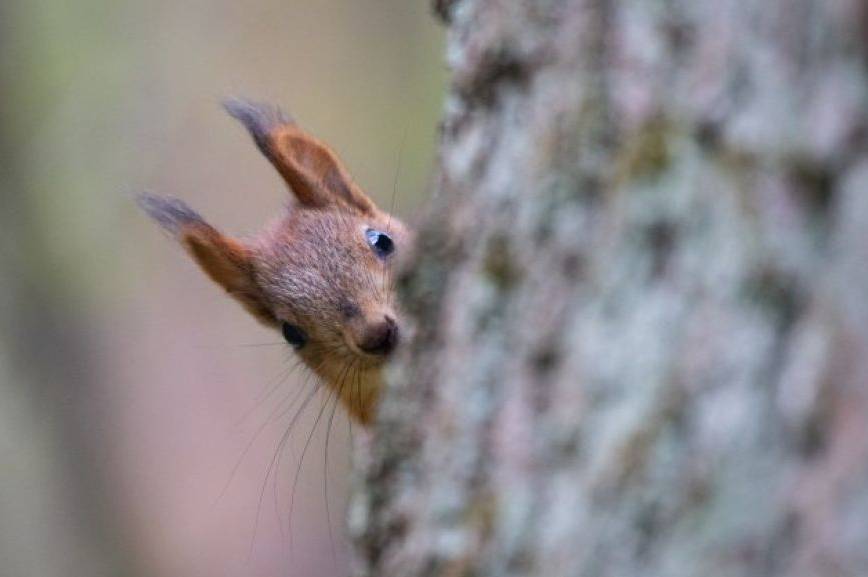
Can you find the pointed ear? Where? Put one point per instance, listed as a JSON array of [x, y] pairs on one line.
[[309, 167], [224, 259]]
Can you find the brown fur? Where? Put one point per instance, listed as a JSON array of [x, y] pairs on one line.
[[313, 268]]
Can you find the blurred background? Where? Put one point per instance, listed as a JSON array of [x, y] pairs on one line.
[[130, 387]]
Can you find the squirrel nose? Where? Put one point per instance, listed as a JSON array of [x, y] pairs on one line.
[[380, 338]]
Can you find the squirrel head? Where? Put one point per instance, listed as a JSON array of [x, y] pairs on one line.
[[321, 273]]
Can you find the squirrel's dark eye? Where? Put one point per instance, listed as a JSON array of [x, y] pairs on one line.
[[294, 335], [380, 242]]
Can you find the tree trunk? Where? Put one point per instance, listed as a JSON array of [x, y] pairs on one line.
[[641, 299], [55, 519]]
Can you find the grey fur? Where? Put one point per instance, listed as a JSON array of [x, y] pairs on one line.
[[259, 118], [171, 213]]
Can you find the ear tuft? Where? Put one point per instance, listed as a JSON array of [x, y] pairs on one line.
[[227, 261], [260, 119], [170, 213], [313, 172]]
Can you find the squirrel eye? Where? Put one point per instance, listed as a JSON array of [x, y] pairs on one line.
[[294, 335], [380, 241]]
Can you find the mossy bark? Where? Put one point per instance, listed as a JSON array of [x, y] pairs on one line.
[[641, 299]]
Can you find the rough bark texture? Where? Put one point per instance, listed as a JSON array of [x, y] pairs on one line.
[[641, 296]]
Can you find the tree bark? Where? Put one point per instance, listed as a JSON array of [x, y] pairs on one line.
[[641, 299]]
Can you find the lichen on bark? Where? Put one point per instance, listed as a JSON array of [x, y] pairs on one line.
[[638, 296]]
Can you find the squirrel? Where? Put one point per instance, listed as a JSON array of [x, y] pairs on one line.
[[321, 273]]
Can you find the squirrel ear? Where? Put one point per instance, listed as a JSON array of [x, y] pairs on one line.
[[225, 260], [309, 167]]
